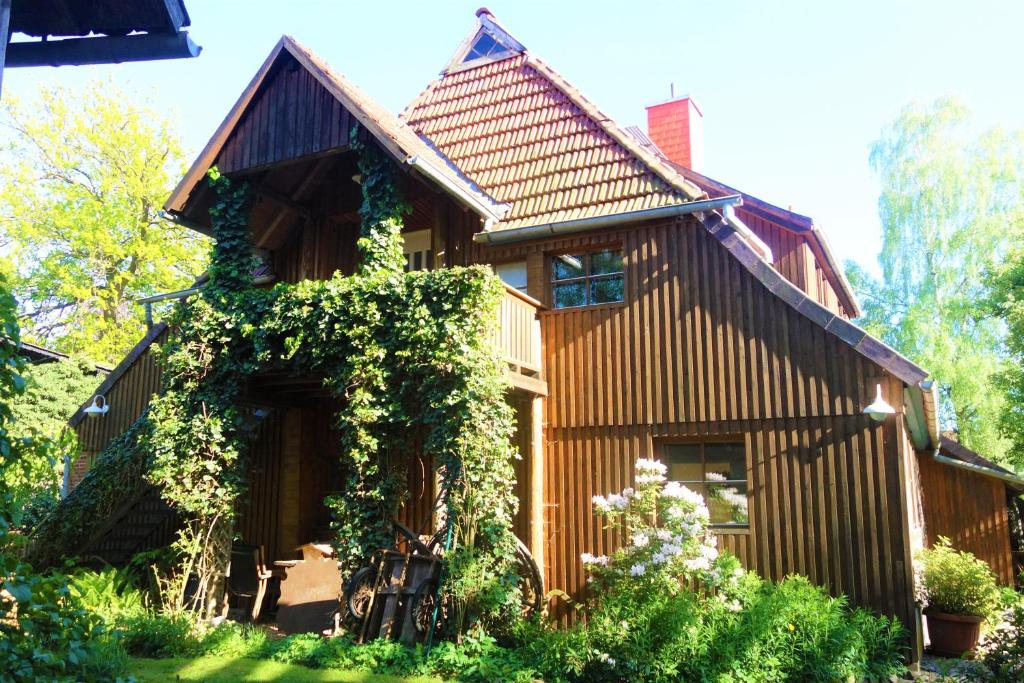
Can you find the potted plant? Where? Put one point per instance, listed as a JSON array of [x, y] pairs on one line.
[[959, 591]]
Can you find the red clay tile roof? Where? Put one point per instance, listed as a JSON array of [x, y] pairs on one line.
[[531, 140]]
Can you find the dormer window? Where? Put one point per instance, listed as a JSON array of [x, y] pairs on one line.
[[485, 46]]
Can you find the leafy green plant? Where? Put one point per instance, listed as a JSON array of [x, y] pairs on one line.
[[160, 635], [1002, 650], [955, 582], [109, 594]]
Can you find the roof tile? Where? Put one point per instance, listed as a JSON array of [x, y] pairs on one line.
[[530, 140]]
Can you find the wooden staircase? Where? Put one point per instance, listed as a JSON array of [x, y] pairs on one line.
[[144, 523]]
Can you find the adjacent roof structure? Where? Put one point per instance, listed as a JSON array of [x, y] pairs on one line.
[[790, 220], [530, 139], [93, 31], [952, 452], [393, 135]]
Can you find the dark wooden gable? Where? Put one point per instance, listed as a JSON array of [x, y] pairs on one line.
[[291, 116]]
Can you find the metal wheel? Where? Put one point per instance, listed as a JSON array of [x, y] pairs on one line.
[[530, 581], [422, 610], [359, 592]]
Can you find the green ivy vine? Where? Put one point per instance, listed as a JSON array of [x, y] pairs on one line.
[[407, 353]]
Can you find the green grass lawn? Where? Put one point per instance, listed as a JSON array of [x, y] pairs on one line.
[[231, 669]]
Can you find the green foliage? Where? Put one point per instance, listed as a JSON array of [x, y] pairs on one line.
[[45, 634], [116, 473], [53, 392], [81, 188], [956, 582], [1002, 650], [109, 594], [772, 632], [950, 203], [1006, 282], [405, 353]]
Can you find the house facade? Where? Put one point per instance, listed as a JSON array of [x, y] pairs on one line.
[[650, 312]]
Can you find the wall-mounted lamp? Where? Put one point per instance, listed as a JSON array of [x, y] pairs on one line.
[[879, 410], [99, 406]]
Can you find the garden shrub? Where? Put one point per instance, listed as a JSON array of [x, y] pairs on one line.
[[1002, 650], [955, 582], [160, 635], [109, 594]]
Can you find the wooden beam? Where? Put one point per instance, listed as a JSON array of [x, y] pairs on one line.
[[531, 384], [102, 50], [536, 455], [320, 168], [5, 35], [284, 200]]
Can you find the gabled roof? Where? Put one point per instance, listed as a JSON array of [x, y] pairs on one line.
[[529, 138], [393, 135], [789, 220]]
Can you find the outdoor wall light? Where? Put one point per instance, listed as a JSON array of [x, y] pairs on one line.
[[879, 410], [99, 406]]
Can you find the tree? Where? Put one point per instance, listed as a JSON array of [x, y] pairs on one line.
[[950, 200], [1007, 301], [53, 392], [81, 188]]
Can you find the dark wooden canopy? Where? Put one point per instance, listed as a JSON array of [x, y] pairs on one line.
[[116, 30]]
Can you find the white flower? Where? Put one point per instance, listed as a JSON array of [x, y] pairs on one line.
[[734, 606], [600, 503], [709, 552], [645, 466], [640, 540], [663, 535], [643, 479], [638, 569], [600, 560], [715, 476], [697, 564]]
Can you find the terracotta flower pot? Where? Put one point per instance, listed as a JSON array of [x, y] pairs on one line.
[[953, 634]]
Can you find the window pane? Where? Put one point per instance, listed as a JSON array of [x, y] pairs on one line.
[[571, 294], [568, 266], [684, 462], [606, 290], [724, 461], [484, 45], [513, 274], [728, 503], [602, 262]]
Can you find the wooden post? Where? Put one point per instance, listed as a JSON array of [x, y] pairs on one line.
[[537, 482], [291, 458], [5, 35]]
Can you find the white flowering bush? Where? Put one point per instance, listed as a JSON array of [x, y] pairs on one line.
[[668, 540]]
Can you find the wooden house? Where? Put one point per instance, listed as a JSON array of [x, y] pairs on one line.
[[650, 311]]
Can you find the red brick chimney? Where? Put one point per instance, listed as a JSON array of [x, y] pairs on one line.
[[677, 128]]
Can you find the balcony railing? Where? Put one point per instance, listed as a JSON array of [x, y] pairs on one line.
[[518, 338]]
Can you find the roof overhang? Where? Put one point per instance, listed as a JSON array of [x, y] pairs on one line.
[[90, 32], [394, 137]]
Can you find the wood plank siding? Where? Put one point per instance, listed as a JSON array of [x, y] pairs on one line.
[[795, 260], [699, 348], [291, 116], [969, 509], [128, 395]]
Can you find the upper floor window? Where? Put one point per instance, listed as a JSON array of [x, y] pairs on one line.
[[587, 279], [717, 471], [513, 274]]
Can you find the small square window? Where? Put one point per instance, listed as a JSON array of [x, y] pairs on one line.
[[587, 279], [717, 471]]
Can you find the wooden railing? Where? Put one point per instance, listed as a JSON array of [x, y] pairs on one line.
[[518, 338]]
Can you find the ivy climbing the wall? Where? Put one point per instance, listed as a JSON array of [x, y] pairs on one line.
[[406, 353]]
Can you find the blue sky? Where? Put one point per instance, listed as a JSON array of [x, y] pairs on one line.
[[793, 93]]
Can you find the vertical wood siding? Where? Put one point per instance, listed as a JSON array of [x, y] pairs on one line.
[[128, 397], [698, 349], [291, 116], [970, 510]]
